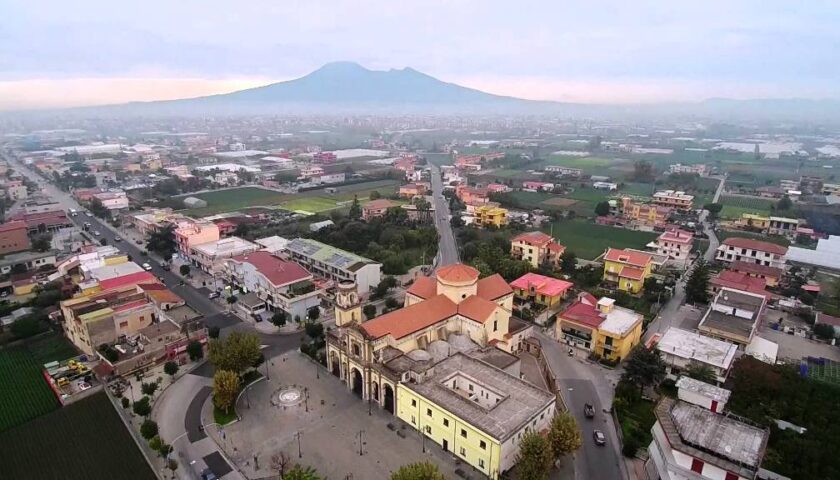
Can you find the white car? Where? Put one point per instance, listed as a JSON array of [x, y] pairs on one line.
[[96, 233], [146, 267]]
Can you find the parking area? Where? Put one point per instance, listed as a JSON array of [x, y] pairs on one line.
[[310, 416]]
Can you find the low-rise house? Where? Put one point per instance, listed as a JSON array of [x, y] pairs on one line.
[[693, 438], [376, 208], [315, 226], [209, 256], [646, 214], [753, 220], [491, 216], [698, 168], [540, 289], [498, 188], [737, 281], [152, 345], [676, 244], [564, 171], [605, 186], [674, 199], [734, 316], [281, 285], [783, 226], [681, 348], [27, 261], [770, 275], [627, 269], [536, 248], [607, 330], [412, 190], [13, 237], [538, 186], [747, 250]]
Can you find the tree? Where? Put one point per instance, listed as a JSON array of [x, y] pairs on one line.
[[213, 332], [280, 461], [456, 221], [27, 326], [564, 435], [41, 242], [279, 318], [195, 350], [418, 471], [225, 389], [232, 299], [149, 388], [299, 472], [314, 330], [313, 313], [702, 372], [184, 270], [643, 367], [713, 209], [568, 262], [355, 212], [643, 171], [784, 203], [237, 352], [125, 402], [375, 195], [824, 331], [172, 465], [369, 310], [535, 457], [142, 407], [170, 368], [162, 242], [391, 303], [602, 208], [149, 428], [697, 286], [155, 443]]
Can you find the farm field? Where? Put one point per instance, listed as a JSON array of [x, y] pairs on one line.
[[24, 393], [579, 162], [311, 204], [734, 206], [86, 439], [51, 349], [589, 240], [824, 370], [779, 240]]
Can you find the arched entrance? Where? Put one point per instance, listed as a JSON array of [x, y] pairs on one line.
[[388, 401], [374, 391], [335, 366], [356, 378]]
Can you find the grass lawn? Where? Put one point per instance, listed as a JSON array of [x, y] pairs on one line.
[[222, 418], [734, 206], [311, 204], [86, 439], [24, 393], [777, 239], [589, 240], [636, 420]]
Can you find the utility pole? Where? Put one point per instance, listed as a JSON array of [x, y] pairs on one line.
[[361, 452], [300, 454]]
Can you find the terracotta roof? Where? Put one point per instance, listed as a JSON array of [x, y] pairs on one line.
[[632, 273], [739, 281], [493, 287], [278, 271], [408, 320], [458, 273], [628, 256], [587, 297], [537, 239], [756, 269], [583, 314], [160, 294], [378, 204], [476, 308], [542, 284], [125, 280], [828, 319], [130, 305], [749, 243], [677, 235], [423, 287], [556, 247], [13, 225]]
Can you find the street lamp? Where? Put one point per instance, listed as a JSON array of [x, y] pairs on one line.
[[361, 452], [300, 454]]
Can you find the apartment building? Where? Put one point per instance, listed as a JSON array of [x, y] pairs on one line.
[[698, 168], [600, 326], [491, 216], [209, 256], [536, 248], [335, 264], [674, 199], [564, 171], [739, 249], [676, 244], [114, 200], [412, 190], [192, 233], [733, 316], [281, 284], [628, 269], [784, 226]]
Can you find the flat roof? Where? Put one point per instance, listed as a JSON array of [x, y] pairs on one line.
[[328, 254], [707, 390], [691, 345], [521, 402], [496, 357], [620, 321], [727, 323]]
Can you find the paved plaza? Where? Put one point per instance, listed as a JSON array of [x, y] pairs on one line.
[[330, 431]]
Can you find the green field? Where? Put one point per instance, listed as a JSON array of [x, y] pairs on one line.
[[311, 204], [86, 440], [584, 163], [734, 206], [828, 372], [589, 240], [52, 348], [24, 394]]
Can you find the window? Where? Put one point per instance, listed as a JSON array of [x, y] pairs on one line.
[[480, 463], [463, 452], [445, 422], [463, 433], [470, 387], [730, 476], [482, 444], [429, 412], [413, 420], [356, 350], [413, 402], [696, 465], [495, 325]]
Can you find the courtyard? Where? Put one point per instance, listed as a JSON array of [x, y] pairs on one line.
[[310, 415]]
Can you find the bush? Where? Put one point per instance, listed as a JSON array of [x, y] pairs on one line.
[[27, 327], [195, 350], [149, 388], [125, 402], [213, 332], [142, 407], [148, 429], [630, 447], [170, 368]]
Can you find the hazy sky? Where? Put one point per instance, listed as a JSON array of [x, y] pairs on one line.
[[56, 53]]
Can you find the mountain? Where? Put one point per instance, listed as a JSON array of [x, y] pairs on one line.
[[348, 87]]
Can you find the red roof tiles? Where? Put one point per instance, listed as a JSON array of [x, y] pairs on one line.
[[493, 287], [630, 257], [583, 314], [423, 287], [278, 271], [536, 239], [405, 321], [542, 284], [750, 244], [458, 273], [126, 280], [476, 308], [756, 269]]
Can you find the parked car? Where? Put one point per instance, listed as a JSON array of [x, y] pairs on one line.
[[139, 242], [146, 267], [207, 474], [117, 239], [96, 233], [600, 438], [213, 295]]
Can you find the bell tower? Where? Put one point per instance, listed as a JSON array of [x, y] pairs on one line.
[[348, 308]]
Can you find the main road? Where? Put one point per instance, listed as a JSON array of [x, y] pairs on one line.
[[179, 409], [447, 248]]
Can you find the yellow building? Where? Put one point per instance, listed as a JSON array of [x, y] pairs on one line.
[[754, 221], [540, 289], [475, 411], [601, 327], [487, 215], [536, 248], [628, 269]]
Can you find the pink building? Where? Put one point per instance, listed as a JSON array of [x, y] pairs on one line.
[[191, 234]]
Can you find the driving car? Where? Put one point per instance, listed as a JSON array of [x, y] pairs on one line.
[[146, 267], [96, 233], [117, 239], [213, 295], [600, 438]]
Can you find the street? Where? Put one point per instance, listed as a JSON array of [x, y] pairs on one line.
[[447, 248]]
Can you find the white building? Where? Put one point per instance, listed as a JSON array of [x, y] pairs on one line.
[[335, 264], [674, 199], [751, 251], [680, 348], [113, 200], [274, 244], [676, 244], [605, 186], [565, 171], [209, 256], [329, 178], [698, 168], [694, 440], [281, 284], [228, 167]]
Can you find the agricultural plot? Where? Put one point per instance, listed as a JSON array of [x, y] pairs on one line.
[[777, 239], [86, 440], [311, 204], [53, 348], [824, 370], [24, 393], [734, 206], [584, 163], [588, 240]]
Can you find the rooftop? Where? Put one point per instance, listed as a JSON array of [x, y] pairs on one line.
[[327, 254], [542, 284], [751, 244], [631, 257], [721, 440], [620, 321], [739, 281], [405, 321], [709, 391], [457, 273], [229, 245], [278, 271], [379, 204], [693, 346], [533, 238], [126, 280], [677, 235], [756, 269], [519, 401], [13, 225]]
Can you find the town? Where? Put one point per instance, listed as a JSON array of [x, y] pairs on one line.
[[410, 297]]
